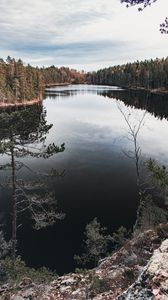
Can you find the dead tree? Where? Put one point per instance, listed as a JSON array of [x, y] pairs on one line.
[[133, 131]]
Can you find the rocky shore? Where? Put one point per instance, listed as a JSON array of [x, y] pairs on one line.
[[138, 270]]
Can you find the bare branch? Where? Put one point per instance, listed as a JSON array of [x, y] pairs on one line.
[[133, 131]]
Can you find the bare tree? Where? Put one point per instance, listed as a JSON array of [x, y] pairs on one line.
[[149, 214], [133, 131]]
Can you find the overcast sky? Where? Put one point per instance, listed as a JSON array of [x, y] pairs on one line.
[[83, 34]]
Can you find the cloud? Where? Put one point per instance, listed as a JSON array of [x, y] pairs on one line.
[[74, 51], [81, 33], [45, 20]]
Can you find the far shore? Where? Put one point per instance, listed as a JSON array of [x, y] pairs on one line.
[[58, 84], [158, 91], [17, 103], [20, 102]]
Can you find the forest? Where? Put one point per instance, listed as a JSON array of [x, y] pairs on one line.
[[148, 74], [25, 82]]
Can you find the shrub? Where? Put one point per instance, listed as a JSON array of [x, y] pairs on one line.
[[16, 273]]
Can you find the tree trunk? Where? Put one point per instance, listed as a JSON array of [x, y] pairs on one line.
[[14, 206]]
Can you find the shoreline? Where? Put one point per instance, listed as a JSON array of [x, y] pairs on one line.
[[11, 103], [57, 84], [7, 103], [159, 91], [21, 103]]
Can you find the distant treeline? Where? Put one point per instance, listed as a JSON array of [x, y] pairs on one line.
[[148, 74], [24, 82]]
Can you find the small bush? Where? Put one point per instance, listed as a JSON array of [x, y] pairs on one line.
[[100, 285], [130, 275], [81, 271], [120, 236], [15, 272], [95, 245]]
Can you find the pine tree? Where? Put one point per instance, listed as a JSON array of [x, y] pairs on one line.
[[19, 131]]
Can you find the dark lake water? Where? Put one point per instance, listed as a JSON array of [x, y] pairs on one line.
[[100, 180]]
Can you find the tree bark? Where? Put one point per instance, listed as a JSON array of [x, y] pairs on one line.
[[14, 206]]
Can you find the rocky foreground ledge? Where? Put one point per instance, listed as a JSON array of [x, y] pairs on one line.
[[153, 281], [138, 270]]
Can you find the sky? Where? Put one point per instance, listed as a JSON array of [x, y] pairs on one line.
[[82, 34]]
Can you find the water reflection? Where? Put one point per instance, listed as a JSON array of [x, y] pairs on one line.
[[73, 90], [152, 194], [100, 180], [157, 105]]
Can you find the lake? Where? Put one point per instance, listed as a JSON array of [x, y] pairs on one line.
[[100, 178]]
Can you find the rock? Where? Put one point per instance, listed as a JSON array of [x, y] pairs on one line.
[[18, 298], [26, 281], [4, 288], [68, 281], [136, 271], [159, 262], [153, 282], [28, 293], [165, 286], [7, 297], [79, 294], [65, 289]]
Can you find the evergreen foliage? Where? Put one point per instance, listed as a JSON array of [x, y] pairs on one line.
[[149, 215], [23, 134], [95, 244], [98, 242], [148, 74], [4, 246], [24, 82], [159, 176], [21, 272]]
